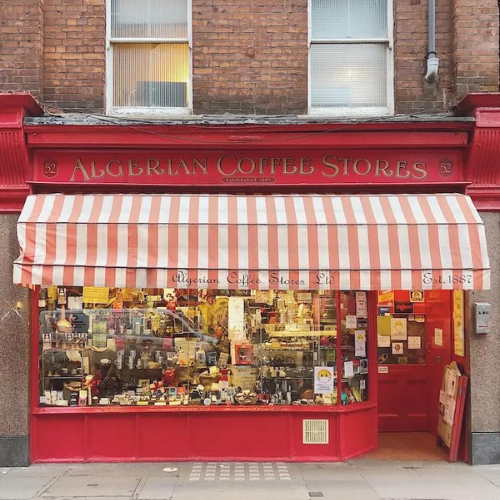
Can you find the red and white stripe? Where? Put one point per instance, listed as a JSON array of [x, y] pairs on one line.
[[273, 241]]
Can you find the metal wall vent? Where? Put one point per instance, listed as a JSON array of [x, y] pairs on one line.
[[315, 432]]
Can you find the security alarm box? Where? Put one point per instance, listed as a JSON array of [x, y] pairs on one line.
[[483, 312]]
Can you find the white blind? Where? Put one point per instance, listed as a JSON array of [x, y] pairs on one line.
[[348, 75], [149, 19], [151, 75], [339, 19]]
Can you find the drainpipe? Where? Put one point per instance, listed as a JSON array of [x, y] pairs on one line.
[[432, 61]]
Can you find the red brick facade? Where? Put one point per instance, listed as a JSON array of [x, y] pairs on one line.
[[21, 46], [74, 55], [248, 57]]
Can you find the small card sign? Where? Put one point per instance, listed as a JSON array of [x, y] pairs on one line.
[[95, 295]]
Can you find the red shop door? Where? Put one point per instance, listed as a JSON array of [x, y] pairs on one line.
[[438, 349], [408, 394]]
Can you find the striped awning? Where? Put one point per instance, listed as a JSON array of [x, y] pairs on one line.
[[253, 242]]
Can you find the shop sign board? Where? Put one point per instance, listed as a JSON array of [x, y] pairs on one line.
[[247, 167]]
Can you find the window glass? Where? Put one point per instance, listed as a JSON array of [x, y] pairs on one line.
[[149, 19], [150, 54], [349, 56], [354, 347], [159, 347], [348, 75], [152, 75], [337, 19]]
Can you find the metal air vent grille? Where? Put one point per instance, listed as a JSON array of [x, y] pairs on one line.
[[315, 432]]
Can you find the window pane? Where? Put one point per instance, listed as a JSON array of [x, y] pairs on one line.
[[149, 19], [349, 19], [348, 75], [153, 75], [159, 347]]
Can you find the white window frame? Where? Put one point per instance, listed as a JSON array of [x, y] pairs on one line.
[[358, 111], [145, 111]]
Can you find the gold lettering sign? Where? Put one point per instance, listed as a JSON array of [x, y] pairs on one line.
[[329, 166], [95, 295]]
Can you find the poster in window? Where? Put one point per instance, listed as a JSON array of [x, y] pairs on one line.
[[383, 341], [438, 337], [458, 322], [323, 379], [416, 296], [385, 297], [414, 342], [397, 348], [361, 306], [399, 329], [360, 343], [95, 295]]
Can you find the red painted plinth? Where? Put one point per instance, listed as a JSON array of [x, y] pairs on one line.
[[197, 433]]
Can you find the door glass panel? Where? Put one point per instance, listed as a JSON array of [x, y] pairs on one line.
[[401, 323]]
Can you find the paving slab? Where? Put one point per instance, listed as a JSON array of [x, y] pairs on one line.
[[39, 470], [329, 472], [437, 490], [158, 488], [492, 473], [394, 474], [445, 475], [20, 488], [476, 489], [142, 469], [410, 489], [96, 486], [250, 471], [89, 498], [341, 490], [245, 490]]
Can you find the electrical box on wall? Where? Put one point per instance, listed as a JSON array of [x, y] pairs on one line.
[[482, 317]]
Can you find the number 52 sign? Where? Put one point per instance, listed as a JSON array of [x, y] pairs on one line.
[[50, 168]]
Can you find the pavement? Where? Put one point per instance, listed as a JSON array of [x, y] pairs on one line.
[[355, 480]]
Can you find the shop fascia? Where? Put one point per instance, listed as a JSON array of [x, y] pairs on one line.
[[228, 165]]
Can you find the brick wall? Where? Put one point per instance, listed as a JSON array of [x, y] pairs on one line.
[[250, 57], [412, 93], [74, 55], [21, 47], [476, 46]]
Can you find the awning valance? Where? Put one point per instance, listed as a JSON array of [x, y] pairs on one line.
[[256, 241]]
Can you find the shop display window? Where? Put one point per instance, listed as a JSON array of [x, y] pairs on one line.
[[174, 347]]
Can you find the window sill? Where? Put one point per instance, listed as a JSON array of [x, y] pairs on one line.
[[149, 112], [345, 112], [205, 409]]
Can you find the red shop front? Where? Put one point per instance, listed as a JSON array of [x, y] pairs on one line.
[[214, 292]]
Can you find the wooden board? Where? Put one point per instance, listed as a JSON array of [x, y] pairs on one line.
[[451, 408]]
